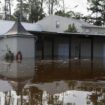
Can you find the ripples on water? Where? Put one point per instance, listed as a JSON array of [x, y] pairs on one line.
[[57, 82]]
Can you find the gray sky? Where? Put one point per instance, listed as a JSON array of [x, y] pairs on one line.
[[82, 6]]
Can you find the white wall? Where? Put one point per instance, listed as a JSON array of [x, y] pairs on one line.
[[9, 43], [15, 44], [1, 48], [26, 46]]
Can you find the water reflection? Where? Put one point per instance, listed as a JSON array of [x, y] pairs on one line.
[[70, 82], [14, 76]]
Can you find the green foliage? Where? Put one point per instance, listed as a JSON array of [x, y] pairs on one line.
[[17, 14], [64, 14], [36, 11], [71, 28], [97, 7], [32, 10], [9, 56]]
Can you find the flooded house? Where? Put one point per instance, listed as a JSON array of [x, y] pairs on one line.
[[54, 40], [17, 41]]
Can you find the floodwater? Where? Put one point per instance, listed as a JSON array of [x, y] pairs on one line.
[[52, 82]]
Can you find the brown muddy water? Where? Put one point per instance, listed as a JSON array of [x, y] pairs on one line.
[[52, 82]]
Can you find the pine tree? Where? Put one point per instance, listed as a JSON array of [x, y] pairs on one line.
[[98, 10]]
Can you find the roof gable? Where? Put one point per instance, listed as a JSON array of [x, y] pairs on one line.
[[17, 29]]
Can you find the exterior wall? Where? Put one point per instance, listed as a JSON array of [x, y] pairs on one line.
[[85, 48], [92, 30], [99, 47], [9, 43], [15, 44], [61, 48], [38, 50], [80, 48], [1, 48], [75, 47], [26, 46], [47, 49]]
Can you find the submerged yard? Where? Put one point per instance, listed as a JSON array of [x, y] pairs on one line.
[[53, 82]]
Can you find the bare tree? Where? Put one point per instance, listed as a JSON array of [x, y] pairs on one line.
[[7, 9], [21, 9], [52, 4]]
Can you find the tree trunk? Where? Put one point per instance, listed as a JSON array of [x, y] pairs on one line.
[[52, 6], [41, 4], [49, 7], [9, 10], [63, 6]]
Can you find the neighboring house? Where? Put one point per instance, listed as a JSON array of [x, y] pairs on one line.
[[87, 43], [53, 42], [16, 41]]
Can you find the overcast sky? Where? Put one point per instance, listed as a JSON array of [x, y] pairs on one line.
[[81, 6], [75, 5]]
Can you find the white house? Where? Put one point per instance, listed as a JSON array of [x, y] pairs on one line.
[[53, 42], [17, 39]]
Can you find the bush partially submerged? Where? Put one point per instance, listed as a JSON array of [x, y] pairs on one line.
[[9, 56]]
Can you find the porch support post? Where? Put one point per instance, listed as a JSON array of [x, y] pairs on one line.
[[70, 48], [52, 48], [92, 51], [80, 48], [42, 48], [35, 48]]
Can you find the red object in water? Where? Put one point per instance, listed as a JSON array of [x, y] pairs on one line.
[[19, 56]]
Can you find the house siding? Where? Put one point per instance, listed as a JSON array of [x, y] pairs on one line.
[[79, 47], [26, 46], [61, 50]]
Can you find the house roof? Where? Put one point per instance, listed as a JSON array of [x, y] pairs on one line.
[[17, 29], [49, 23], [5, 26], [55, 24]]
